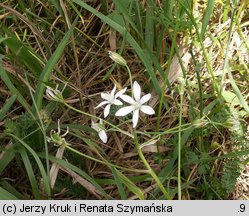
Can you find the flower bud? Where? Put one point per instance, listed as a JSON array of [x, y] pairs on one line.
[[54, 94], [117, 58]]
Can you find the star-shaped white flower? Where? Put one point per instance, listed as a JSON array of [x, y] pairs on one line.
[[99, 127], [111, 98], [136, 104]]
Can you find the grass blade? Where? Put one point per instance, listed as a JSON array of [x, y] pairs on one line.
[[131, 186], [38, 161], [7, 106], [8, 156], [5, 195], [144, 58], [23, 54], [14, 90], [7, 186], [30, 172], [119, 184], [207, 15], [79, 171], [49, 68]]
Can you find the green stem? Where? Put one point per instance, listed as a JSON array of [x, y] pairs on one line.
[[166, 76], [179, 149], [129, 71], [102, 162], [95, 117], [151, 171]]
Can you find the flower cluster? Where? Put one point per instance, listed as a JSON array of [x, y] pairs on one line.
[[135, 105]]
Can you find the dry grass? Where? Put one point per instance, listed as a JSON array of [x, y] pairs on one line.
[[83, 65]]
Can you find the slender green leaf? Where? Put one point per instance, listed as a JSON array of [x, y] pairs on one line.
[[131, 186], [5, 195], [237, 91], [207, 15], [7, 186], [79, 171], [57, 5], [50, 65], [30, 172], [13, 90], [8, 156], [23, 54], [38, 161], [7, 106], [149, 29], [119, 184], [130, 40]]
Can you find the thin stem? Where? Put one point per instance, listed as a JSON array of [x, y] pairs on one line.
[[129, 71], [92, 116], [179, 150], [151, 171], [103, 162]]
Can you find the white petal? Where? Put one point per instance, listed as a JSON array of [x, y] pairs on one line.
[[113, 91], [106, 96], [147, 109], [127, 99], [135, 117], [145, 98], [95, 126], [119, 93], [107, 110], [124, 111], [117, 102], [103, 136], [50, 94], [136, 91], [102, 103]]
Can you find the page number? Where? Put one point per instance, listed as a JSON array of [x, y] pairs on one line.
[[242, 208]]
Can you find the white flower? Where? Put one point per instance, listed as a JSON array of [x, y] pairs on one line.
[[136, 104], [54, 94], [99, 127], [109, 99]]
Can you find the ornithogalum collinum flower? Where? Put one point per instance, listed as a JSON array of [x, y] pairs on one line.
[[99, 127], [110, 99], [54, 94], [136, 104]]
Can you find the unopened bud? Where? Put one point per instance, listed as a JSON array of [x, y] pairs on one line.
[[117, 58], [199, 123]]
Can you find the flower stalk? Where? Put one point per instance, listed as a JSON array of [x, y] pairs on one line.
[[151, 171]]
